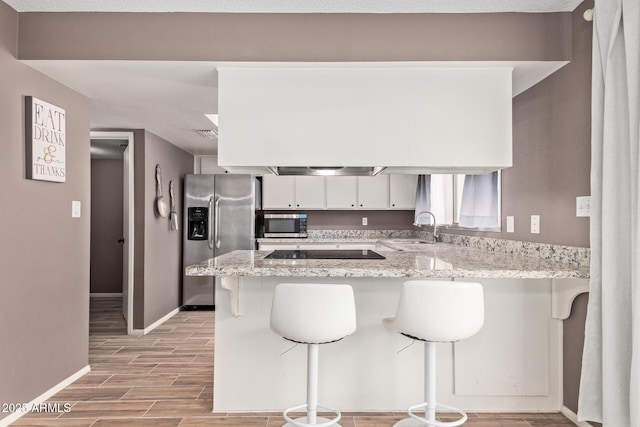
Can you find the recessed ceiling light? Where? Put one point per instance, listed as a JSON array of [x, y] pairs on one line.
[[213, 118]]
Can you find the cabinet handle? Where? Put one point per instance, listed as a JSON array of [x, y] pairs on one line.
[[298, 205], [289, 204], [352, 205], [393, 204], [360, 204]]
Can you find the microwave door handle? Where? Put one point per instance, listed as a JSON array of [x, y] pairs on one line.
[[210, 235], [216, 222]]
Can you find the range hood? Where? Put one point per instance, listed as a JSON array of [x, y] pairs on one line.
[[364, 121], [328, 170]]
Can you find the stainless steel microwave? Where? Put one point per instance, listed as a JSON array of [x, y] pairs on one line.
[[285, 225]]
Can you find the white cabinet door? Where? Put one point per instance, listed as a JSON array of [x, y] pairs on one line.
[[373, 192], [310, 192], [278, 192], [208, 165], [342, 192], [402, 191]]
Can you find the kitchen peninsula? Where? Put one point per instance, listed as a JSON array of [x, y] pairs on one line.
[[513, 364]]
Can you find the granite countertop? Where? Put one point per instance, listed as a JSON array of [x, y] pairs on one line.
[[318, 240], [438, 260]]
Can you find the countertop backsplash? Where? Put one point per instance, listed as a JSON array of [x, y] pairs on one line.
[[365, 234], [567, 254]]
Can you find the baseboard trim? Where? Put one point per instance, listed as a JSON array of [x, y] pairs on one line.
[[105, 295], [573, 417], [44, 396], [155, 324]]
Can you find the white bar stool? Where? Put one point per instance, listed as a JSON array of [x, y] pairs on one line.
[[436, 311], [313, 314]]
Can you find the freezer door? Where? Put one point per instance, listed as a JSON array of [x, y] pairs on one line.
[[233, 213]]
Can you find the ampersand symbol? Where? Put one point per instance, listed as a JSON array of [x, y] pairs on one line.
[[49, 153]]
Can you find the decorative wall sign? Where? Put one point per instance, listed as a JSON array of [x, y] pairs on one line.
[[45, 143]]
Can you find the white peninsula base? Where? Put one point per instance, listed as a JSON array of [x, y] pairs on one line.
[[513, 364]]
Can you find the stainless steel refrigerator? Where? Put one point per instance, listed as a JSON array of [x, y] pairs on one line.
[[220, 216]]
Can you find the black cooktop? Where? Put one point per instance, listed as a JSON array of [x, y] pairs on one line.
[[325, 254]]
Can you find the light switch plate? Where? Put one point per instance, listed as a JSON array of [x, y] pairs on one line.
[[76, 209], [365, 221], [510, 224], [535, 224], [583, 206]]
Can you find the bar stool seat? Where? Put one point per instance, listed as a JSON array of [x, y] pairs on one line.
[[313, 314], [436, 311]]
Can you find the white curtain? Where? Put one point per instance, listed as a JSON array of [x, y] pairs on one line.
[[479, 206], [610, 383], [423, 198], [434, 193], [442, 198]]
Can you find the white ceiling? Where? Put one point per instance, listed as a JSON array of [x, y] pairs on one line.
[[170, 98], [296, 6], [167, 98]]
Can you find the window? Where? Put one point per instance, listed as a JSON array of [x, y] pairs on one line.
[[478, 210]]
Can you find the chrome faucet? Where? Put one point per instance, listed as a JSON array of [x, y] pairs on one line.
[[415, 222]]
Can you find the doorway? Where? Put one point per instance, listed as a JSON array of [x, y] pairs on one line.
[[112, 232]]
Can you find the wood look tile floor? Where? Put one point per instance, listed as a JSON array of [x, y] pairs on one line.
[[165, 379]]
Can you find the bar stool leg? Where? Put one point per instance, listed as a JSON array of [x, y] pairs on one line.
[[312, 383], [430, 380]]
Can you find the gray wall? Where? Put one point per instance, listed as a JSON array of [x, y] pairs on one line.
[[352, 220], [44, 255], [106, 225], [163, 247], [552, 150], [157, 271], [296, 37]]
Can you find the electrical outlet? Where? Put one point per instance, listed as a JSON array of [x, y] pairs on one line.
[[364, 220], [583, 206], [510, 224], [535, 224]]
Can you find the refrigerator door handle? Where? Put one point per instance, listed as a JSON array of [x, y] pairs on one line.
[[210, 236], [216, 222]]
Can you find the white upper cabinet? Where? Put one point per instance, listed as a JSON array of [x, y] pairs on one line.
[[373, 192], [278, 192], [402, 191], [309, 192], [445, 119], [292, 192], [339, 192], [342, 192]]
